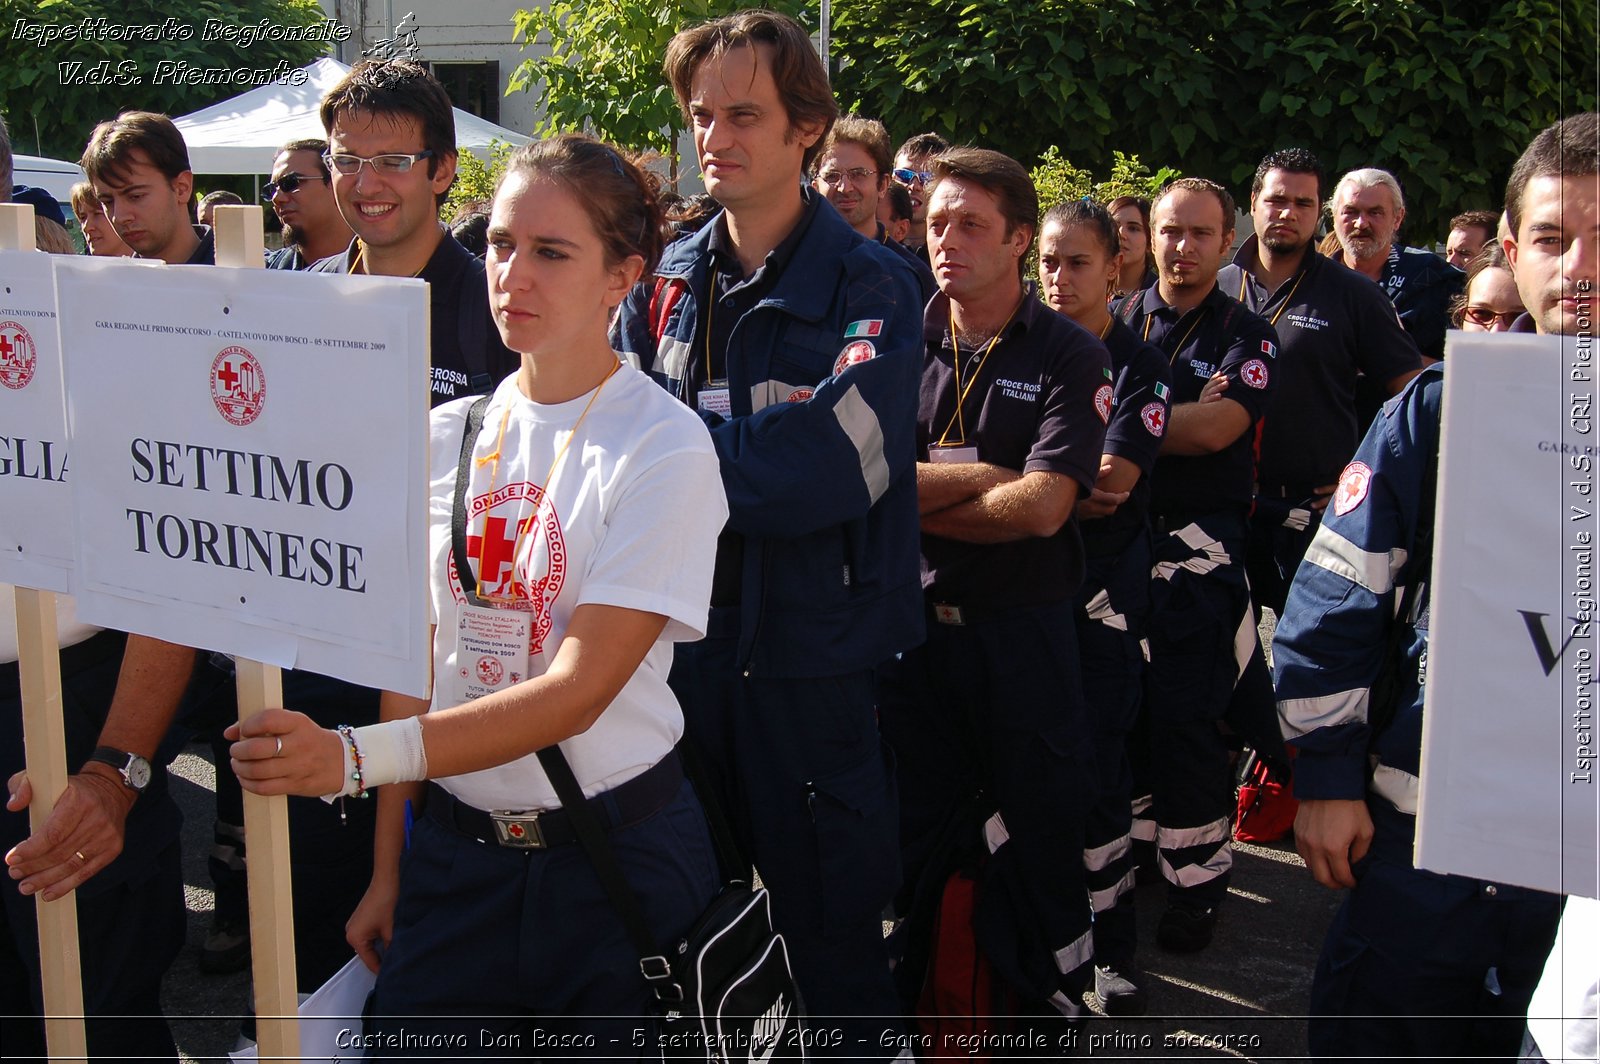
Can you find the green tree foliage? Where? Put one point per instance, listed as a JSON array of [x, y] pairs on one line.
[[1444, 93], [598, 66], [1058, 180], [54, 93], [475, 179]]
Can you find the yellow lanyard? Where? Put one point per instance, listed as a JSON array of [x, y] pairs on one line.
[[956, 419], [1244, 281], [1172, 358], [549, 480]]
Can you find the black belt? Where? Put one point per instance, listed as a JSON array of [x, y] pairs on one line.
[[534, 829], [98, 648]]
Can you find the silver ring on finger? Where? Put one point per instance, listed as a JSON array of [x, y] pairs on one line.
[[279, 752]]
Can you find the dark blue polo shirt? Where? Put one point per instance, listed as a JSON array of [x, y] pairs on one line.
[[468, 357], [1421, 285], [1219, 334], [1034, 404], [1333, 325], [918, 266], [1140, 406]]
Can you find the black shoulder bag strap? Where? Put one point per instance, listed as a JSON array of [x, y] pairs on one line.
[[653, 963], [1383, 704], [458, 511]]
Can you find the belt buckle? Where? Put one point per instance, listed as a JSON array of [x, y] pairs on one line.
[[518, 829], [945, 613]]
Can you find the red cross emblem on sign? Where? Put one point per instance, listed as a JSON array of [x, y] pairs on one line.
[[238, 385], [17, 358]]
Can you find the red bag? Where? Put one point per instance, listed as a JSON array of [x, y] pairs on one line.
[[962, 999], [1266, 807]]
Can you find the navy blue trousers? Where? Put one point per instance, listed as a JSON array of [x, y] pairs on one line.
[[516, 954], [802, 773], [996, 706], [1111, 617], [1405, 969]]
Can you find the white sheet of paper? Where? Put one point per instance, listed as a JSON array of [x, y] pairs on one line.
[[250, 462], [330, 1019], [1508, 788]]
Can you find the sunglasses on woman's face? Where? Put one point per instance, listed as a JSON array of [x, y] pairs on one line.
[[1486, 317]]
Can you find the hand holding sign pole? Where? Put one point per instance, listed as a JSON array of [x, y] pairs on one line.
[[266, 820], [44, 738]]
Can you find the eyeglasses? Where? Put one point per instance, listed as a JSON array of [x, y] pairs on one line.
[[1486, 317], [288, 184], [855, 175], [392, 163], [908, 176]]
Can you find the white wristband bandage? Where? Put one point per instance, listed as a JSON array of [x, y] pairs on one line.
[[391, 752]]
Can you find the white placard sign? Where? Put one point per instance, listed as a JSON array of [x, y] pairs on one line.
[[35, 503], [1509, 791], [249, 462]]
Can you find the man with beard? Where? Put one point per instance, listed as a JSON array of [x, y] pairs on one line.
[[1368, 208], [302, 197], [1332, 325], [1199, 501]]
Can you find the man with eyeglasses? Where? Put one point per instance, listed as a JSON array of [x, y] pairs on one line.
[[912, 164], [391, 159], [852, 172], [1333, 326], [301, 194]]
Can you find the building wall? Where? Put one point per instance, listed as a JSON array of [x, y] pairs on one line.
[[447, 30]]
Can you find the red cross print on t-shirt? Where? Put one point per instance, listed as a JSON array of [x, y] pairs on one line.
[[495, 548]]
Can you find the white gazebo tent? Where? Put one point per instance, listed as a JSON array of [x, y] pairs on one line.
[[242, 134]]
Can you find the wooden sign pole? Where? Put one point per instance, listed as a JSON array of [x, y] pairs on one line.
[[45, 752], [266, 820], [44, 743]]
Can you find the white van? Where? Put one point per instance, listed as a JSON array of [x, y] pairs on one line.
[[55, 176]]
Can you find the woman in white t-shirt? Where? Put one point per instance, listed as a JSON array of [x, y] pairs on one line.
[[588, 525]]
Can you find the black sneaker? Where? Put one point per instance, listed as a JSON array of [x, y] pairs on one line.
[[1119, 995], [1186, 928], [226, 948]]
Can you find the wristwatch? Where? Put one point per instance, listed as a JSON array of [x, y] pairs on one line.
[[134, 770]]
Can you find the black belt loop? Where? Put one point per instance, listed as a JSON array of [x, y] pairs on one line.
[[525, 829]]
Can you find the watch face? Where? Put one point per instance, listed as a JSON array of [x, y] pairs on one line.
[[138, 773]]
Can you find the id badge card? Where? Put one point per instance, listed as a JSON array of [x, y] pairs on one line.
[[715, 398], [952, 455], [491, 650]]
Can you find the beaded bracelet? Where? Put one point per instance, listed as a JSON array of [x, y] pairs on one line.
[[348, 734]]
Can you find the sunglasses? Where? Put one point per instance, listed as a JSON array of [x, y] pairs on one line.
[[288, 184], [1486, 317], [910, 177]]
